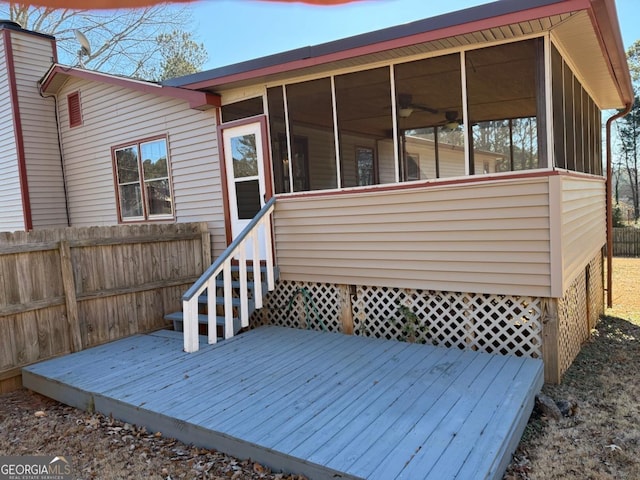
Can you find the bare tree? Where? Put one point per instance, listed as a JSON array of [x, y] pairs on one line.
[[628, 129], [124, 42], [629, 135]]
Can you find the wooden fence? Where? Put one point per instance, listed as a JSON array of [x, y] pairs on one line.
[[626, 242], [68, 289]]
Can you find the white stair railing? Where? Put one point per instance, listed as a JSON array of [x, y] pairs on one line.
[[248, 238]]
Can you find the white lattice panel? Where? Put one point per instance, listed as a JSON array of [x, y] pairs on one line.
[[314, 306], [573, 326], [489, 323]]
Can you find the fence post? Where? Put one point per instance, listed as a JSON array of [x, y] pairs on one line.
[[206, 249], [69, 286]]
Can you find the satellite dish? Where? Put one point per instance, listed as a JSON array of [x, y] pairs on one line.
[[85, 47]]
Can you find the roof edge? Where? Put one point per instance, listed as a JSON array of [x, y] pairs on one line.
[[197, 100], [16, 27], [605, 19], [428, 29]]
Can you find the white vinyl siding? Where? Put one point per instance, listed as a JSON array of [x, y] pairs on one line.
[[583, 224], [33, 56], [113, 115], [12, 217], [487, 237]]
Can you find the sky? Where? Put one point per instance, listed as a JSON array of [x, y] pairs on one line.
[[237, 30]]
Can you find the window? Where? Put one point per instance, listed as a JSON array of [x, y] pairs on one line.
[[413, 166], [75, 113], [429, 106], [480, 111], [142, 178], [310, 110], [503, 96], [365, 118], [576, 121], [365, 166], [243, 109]]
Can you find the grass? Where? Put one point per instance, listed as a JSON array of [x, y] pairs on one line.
[[602, 440]]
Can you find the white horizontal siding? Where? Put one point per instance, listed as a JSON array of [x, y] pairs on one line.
[[583, 224], [33, 56], [487, 237], [113, 115], [12, 218]]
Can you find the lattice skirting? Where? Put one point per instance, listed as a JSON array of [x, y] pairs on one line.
[[578, 311], [489, 323], [596, 290]]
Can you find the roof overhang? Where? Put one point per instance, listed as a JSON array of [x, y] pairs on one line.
[[58, 75], [502, 20]]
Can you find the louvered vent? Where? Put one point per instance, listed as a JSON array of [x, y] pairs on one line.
[[75, 115]]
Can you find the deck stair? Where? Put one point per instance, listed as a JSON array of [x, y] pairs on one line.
[[240, 278], [203, 303]]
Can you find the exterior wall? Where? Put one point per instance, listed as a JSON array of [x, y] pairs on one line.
[[33, 55], [579, 218], [113, 115], [12, 217], [485, 237]]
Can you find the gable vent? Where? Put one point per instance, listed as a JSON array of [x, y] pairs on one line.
[[75, 114]]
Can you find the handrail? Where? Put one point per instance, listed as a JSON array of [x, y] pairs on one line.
[[223, 265], [229, 251]]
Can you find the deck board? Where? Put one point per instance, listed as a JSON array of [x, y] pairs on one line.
[[306, 441], [315, 406], [291, 395], [410, 432], [319, 404]]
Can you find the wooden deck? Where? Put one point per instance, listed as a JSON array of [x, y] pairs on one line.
[[325, 405]]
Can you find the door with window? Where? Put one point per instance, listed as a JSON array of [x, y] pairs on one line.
[[244, 159]]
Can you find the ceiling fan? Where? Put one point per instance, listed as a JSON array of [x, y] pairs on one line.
[[406, 106], [451, 121]]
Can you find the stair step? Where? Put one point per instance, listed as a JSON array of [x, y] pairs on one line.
[[235, 268], [235, 301], [178, 319]]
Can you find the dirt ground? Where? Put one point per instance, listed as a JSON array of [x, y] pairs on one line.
[[600, 441]]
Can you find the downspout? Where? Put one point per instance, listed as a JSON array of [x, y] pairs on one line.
[[60, 149], [611, 119]]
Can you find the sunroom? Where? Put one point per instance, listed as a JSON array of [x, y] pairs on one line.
[[450, 168], [414, 120]]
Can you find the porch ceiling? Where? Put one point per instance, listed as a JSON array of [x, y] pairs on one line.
[[577, 38]]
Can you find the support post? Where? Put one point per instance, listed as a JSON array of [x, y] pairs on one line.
[[346, 309], [190, 326], [69, 286], [550, 337]]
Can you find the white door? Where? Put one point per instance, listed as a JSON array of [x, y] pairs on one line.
[[244, 161]]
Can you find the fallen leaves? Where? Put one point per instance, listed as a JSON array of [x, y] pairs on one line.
[[102, 447]]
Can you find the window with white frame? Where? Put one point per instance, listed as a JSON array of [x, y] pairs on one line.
[[142, 179]]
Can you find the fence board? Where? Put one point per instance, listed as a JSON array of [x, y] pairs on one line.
[[66, 271], [62, 290], [626, 242]]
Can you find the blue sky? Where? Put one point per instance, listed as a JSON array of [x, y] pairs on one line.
[[237, 30]]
